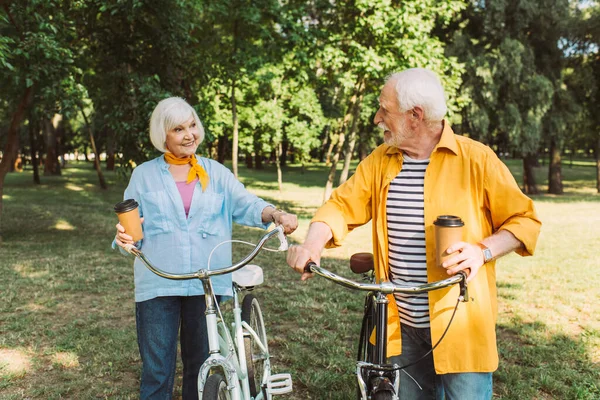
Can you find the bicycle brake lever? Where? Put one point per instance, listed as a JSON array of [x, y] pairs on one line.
[[283, 243]]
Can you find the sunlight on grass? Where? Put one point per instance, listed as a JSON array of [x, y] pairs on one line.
[[26, 271], [14, 362], [63, 225], [67, 315], [65, 359], [75, 188]]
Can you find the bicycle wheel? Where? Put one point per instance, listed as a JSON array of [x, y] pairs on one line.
[[215, 388], [365, 348], [255, 356], [383, 395]]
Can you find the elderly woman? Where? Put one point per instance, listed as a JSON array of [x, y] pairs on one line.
[[188, 204]]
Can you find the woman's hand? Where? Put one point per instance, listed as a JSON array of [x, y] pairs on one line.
[[289, 222], [122, 238]]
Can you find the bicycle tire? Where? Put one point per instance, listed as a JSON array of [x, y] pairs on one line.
[[383, 395], [215, 388], [255, 357], [365, 348]]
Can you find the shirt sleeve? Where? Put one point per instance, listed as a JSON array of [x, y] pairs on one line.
[[350, 204], [509, 207], [246, 208]]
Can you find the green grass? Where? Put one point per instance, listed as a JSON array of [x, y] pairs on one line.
[[67, 327]]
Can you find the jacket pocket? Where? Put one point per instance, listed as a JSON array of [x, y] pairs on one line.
[[155, 206], [212, 218]]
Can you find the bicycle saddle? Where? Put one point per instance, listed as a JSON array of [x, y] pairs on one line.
[[361, 263], [248, 276]]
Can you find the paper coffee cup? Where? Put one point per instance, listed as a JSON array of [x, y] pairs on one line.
[[448, 231], [129, 217]]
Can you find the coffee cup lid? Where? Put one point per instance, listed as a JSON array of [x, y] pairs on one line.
[[126, 205], [448, 220]]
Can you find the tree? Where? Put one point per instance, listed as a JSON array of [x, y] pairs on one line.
[[36, 56], [513, 76], [360, 42]]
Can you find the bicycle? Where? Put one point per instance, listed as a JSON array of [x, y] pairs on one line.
[[377, 380], [238, 366]]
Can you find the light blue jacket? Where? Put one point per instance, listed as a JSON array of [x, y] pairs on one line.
[[179, 245]]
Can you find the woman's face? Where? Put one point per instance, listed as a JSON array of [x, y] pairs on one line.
[[183, 139]]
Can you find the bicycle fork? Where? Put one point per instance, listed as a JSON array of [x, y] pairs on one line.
[[379, 376], [225, 358]]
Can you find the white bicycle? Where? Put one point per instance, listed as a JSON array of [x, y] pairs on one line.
[[238, 367]]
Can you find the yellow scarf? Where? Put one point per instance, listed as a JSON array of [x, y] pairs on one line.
[[196, 169]]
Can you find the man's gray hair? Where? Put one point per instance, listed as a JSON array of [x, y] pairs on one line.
[[420, 87], [167, 114]]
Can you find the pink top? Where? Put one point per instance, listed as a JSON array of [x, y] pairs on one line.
[[186, 190]]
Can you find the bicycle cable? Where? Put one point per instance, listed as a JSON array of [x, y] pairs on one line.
[[235, 241], [438, 342]]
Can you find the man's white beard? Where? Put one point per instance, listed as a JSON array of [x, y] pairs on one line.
[[396, 138]]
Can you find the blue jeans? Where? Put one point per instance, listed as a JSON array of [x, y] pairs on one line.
[[420, 382], [159, 321]]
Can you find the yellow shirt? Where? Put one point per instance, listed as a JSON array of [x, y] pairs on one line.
[[464, 178]]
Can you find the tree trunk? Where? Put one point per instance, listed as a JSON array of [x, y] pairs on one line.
[[529, 185], [342, 138], [11, 143], [329, 148], [235, 139], [555, 185], [95, 150], [110, 149], [278, 164], [222, 149], [258, 156], [325, 144], [598, 164], [51, 165], [33, 131], [249, 162], [351, 141]]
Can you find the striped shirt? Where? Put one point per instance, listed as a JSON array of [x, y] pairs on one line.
[[406, 240]]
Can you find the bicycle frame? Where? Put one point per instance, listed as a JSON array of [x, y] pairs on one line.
[[382, 376], [225, 352]]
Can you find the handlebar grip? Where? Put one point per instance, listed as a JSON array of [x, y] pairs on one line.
[[308, 267]]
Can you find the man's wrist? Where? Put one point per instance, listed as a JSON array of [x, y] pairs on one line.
[[487, 253]]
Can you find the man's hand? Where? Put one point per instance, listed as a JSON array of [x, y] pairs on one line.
[[469, 257], [297, 258]]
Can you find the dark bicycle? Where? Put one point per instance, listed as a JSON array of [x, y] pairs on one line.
[[376, 379]]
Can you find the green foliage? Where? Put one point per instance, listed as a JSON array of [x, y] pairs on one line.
[[514, 64]]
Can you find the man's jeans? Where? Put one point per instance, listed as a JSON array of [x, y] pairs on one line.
[[158, 322], [420, 382]]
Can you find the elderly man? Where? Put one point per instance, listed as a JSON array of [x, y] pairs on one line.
[[424, 170]]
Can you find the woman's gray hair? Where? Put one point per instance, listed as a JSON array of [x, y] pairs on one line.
[[167, 114], [420, 87]]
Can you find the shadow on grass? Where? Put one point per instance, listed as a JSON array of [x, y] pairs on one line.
[[536, 363]]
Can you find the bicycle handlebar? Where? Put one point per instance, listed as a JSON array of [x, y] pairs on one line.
[[206, 273], [386, 287]]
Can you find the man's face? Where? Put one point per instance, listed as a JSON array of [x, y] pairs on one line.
[[390, 119]]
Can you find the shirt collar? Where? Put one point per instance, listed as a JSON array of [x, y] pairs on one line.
[[447, 141]]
